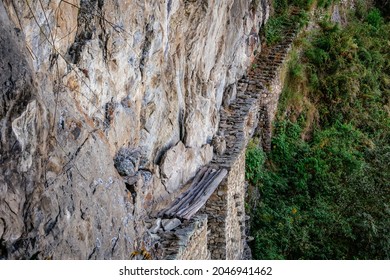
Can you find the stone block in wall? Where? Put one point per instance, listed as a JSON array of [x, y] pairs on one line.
[[186, 241]]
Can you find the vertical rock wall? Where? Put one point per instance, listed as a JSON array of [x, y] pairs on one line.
[[22, 142], [82, 79]]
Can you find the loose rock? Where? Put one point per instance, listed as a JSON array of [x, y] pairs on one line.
[[170, 224]]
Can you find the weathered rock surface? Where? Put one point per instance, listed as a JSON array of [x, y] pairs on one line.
[[127, 161], [180, 164], [81, 80], [155, 226], [170, 224], [20, 175]]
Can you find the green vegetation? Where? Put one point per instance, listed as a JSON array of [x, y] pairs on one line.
[[283, 16], [325, 186], [285, 11], [282, 6], [274, 30]]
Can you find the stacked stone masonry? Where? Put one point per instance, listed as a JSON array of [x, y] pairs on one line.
[[250, 114], [185, 240]]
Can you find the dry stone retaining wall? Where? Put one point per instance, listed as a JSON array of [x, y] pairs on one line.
[[173, 240]]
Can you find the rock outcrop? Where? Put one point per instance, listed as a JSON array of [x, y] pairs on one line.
[[107, 109]]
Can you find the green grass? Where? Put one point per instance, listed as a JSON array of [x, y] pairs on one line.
[[274, 30], [275, 27]]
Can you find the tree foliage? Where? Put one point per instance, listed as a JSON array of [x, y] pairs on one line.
[[325, 186]]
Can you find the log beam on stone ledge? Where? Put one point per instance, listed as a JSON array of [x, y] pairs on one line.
[[202, 187]]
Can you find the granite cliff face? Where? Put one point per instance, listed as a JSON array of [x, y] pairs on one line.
[[107, 108]]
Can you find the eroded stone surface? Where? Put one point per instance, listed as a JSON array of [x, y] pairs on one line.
[[90, 77], [155, 226], [170, 224], [180, 164]]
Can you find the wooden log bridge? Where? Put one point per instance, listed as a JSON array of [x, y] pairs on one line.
[[202, 187]]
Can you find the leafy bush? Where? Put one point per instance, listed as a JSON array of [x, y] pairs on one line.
[[273, 30], [295, 68], [327, 196], [282, 6], [324, 3], [374, 18]]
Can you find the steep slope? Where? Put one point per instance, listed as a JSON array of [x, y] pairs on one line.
[[108, 108]]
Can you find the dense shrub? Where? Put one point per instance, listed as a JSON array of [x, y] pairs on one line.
[[325, 191], [274, 29]]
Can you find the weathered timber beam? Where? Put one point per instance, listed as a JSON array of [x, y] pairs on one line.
[[210, 190], [202, 187], [182, 199]]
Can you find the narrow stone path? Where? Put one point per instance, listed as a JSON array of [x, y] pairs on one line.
[[251, 111], [249, 114]]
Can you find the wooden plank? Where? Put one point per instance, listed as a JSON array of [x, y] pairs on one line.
[[183, 199], [200, 190], [202, 187], [202, 201]]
